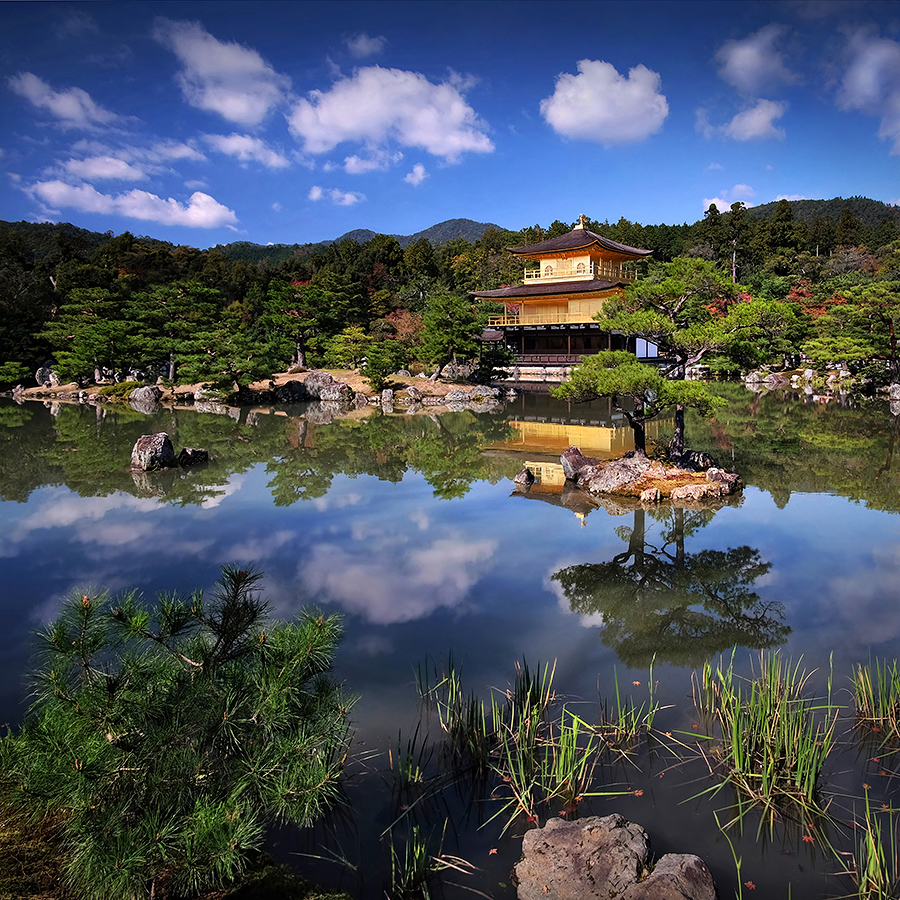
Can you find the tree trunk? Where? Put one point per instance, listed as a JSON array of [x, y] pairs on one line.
[[676, 447], [171, 366]]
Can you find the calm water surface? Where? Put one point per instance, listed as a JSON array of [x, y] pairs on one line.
[[410, 529]]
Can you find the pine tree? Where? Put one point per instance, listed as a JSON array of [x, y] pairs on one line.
[[166, 737]]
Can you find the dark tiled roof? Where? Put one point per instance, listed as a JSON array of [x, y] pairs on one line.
[[578, 239], [543, 290]]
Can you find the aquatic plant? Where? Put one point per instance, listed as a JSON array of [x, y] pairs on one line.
[[877, 695], [874, 865], [774, 739]]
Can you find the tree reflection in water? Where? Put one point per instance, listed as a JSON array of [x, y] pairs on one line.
[[657, 600]]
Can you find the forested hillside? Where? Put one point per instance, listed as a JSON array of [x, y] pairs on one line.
[[100, 306]]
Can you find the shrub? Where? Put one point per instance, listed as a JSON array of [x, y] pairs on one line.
[[166, 737]]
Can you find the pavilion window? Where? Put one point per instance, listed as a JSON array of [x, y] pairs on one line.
[[548, 271]]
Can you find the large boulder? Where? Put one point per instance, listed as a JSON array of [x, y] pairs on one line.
[[677, 876], [573, 461], [623, 471], [145, 399], [152, 452], [605, 858], [291, 392], [589, 859]]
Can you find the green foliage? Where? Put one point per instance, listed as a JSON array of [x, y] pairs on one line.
[[165, 737], [618, 374], [12, 373], [449, 326], [774, 739], [383, 358], [347, 349], [118, 391]]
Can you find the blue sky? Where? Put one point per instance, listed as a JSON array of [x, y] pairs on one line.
[[204, 123]]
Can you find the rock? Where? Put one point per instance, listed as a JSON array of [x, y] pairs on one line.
[[291, 392], [730, 482], [588, 859], [620, 472], [152, 451], [525, 477], [434, 376], [894, 392], [413, 393], [573, 461], [895, 407], [402, 373], [754, 377], [708, 491], [677, 876], [387, 397], [321, 386], [208, 392], [145, 399], [192, 456], [651, 495], [809, 374], [485, 391], [458, 395], [360, 401], [695, 461]]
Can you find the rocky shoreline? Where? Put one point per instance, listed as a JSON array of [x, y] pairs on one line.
[[340, 395]]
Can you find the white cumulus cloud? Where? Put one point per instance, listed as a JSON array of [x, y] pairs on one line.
[[362, 45], [366, 582], [416, 176], [73, 108], [871, 83], [201, 210], [377, 105], [757, 123], [338, 198], [222, 77], [598, 104], [248, 149], [753, 64], [98, 168]]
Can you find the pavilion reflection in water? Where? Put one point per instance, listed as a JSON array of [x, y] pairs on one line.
[[541, 440]]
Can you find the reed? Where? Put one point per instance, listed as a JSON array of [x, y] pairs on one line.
[[875, 867], [409, 765], [411, 869], [621, 725], [774, 740], [877, 694]]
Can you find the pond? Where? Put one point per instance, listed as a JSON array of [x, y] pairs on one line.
[[410, 528]]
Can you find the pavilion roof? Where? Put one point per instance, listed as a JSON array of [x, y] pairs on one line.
[[547, 289], [578, 239]]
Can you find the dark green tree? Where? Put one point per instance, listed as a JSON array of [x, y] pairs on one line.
[[449, 327], [619, 375], [167, 737]]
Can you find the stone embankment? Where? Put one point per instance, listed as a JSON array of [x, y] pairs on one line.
[[335, 396]]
